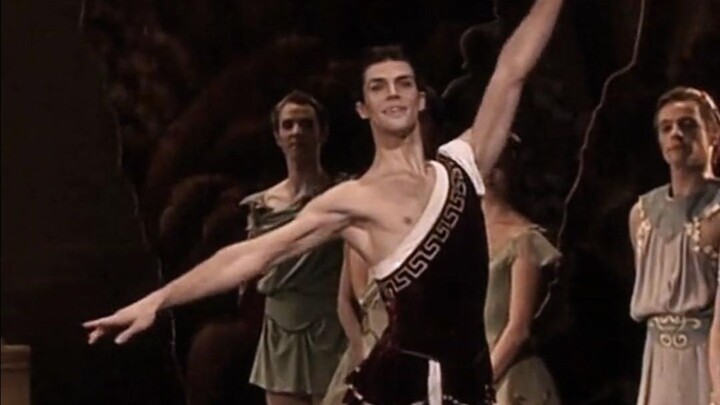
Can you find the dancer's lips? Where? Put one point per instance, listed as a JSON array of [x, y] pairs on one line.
[[395, 111]]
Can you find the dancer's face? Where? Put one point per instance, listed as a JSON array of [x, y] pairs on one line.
[[682, 134], [298, 133], [391, 99]]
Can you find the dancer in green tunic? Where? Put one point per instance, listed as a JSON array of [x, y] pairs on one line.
[[301, 340], [519, 253]]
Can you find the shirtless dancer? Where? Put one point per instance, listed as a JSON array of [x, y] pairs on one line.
[[417, 222]]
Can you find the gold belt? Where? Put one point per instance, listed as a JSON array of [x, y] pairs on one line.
[[679, 331]]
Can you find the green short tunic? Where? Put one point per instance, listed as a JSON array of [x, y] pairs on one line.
[[301, 340], [527, 381]]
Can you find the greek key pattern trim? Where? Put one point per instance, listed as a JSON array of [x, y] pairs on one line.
[[420, 259]]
